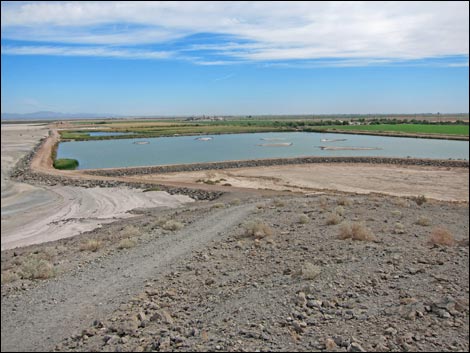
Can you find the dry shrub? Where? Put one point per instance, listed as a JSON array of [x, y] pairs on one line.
[[423, 221], [172, 225], [35, 268], [396, 213], [401, 202], [258, 229], [399, 228], [303, 219], [279, 203], [441, 236], [8, 277], [355, 231], [344, 201], [90, 245], [420, 199], [130, 231], [333, 218], [339, 210], [323, 201], [218, 205], [127, 243], [235, 202]]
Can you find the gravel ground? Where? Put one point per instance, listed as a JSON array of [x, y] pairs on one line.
[[212, 286]]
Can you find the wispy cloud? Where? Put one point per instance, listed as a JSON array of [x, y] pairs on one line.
[[223, 78], [362, 32]]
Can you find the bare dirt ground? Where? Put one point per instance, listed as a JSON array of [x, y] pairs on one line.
[[33, 214], [449, 184]]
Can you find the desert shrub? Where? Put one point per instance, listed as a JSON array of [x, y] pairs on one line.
[[333, 218], [90, 245], [441, 236], [423, 221], [401, 202], [355, 231], [420, 199], [323, 201], [127, 243], [235, 202], [279, 203], [303, 219], [130, 231], [396, 213], [218, 205], [8, 277], [35, 268], [258, 229], [172, 225], [399, 228], [344, 201], [339, 210]]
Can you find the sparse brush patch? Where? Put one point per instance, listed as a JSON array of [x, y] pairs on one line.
[[420, 199], [257, 229], [172, 225], [161, 221], [127, 243], [399, 228], [355, 231], [9, 276], [130, 231], [441, 236], [344, 201], [423, 221], [303, 219], [90, 245], [279, 203], [35, 268], [333, 218], [396, 213], [260, 206], [401, 202], [339, 210], [218, 205], [235, 202], [323, 201]]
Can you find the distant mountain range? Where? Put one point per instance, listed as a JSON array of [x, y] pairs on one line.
[[54, 115]]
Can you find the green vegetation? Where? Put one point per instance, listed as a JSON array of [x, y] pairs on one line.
[[65, 163], [408, 128]]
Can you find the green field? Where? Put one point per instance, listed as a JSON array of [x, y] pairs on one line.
[[408, 128]]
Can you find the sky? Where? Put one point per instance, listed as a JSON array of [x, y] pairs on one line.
[[234, 58]]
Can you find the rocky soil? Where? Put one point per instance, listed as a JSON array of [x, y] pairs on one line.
[[292, 284]]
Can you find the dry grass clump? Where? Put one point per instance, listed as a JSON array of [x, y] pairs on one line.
[[344, 201], [441, 236], [9, 276], [355, 231], [130, 231], [303, 219], [35, 268], [399, 228], [333, 218], [420, 199], [396, 213], [323, 201], [257, 229], [218, 205], [127, 243], [172, 225], [279, 203], [401, 202], [339, 210], [90, 245], [235, 202], [423, 221]]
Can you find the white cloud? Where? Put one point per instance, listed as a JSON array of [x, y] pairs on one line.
[[257, 31]]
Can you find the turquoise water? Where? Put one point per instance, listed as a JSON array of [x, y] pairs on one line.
[[186, 149]]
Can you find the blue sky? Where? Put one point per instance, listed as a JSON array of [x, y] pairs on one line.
[[157, 58]]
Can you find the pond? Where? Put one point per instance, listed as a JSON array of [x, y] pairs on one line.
[[217, 148]]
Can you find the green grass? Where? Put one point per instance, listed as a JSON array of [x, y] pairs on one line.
[[65, 163], [408, 128]]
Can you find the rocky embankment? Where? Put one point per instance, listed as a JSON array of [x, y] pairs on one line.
[[22, 172], [274, 162]]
